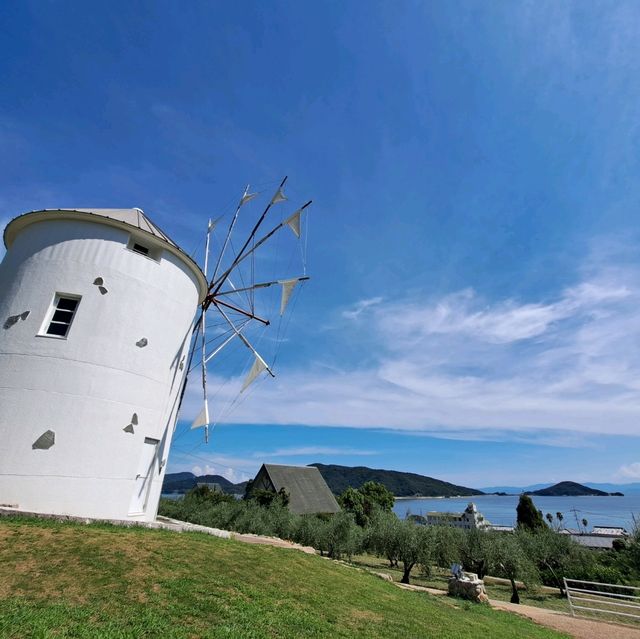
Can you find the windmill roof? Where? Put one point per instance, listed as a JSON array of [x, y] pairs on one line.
[[133, 217], [308, 492]]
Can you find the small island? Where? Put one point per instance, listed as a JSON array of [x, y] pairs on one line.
[[571, 489]]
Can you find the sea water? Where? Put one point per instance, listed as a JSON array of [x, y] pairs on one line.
[[598, 511]]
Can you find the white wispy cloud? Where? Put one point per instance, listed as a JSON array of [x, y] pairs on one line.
[[231, 474], [306, 451], [459, 364], [360, 307], [629, 471]]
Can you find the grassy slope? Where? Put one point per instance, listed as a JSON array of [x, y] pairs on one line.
[[66, 580]]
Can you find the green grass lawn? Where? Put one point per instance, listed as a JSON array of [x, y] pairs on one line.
[[68, 580]]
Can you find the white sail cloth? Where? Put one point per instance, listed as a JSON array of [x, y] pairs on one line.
[[256, 369], [247, 197], [287, 289], [278, 197], [203, 417], [293, 222]]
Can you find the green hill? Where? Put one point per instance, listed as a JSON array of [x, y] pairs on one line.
[[184, 482], [98, 581], [400, 484], [569, 489]]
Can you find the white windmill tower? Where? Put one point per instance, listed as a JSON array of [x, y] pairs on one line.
[[98, 309]]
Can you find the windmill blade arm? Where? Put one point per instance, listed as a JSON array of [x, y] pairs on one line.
[[226, 239], [247, 288], [302, 278], [245, 341], [237, 309], [211, 355], [217, 285]]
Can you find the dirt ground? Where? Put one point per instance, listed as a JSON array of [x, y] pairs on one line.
[[578, 628]]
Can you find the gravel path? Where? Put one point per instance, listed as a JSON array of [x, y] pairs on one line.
[[574, 627]]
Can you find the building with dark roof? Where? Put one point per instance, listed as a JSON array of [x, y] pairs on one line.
[[308, 492]]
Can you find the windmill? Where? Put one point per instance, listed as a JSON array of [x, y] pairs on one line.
[[231, 293]]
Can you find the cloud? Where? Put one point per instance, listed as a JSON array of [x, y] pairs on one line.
[[568, 365], [360, 307], [232, 475], [630, 471], [307, 451]]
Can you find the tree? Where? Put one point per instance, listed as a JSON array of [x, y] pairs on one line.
[[384, 537], [269, 497], [549, 517], [352, 500], [476, 551], [248, 489], [528, 517], [552, 553], [447, 542], [585, 523], [364, 501], [414, 547], [339, 535], [376, 495], [205, 494], [512, 562]]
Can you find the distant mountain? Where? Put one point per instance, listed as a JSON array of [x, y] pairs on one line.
[[569, 489], [400, 484], [184, 482], [512, 490], [627, 489]]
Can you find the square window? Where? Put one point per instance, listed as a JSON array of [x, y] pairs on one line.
[[142, 247], [61, 315]]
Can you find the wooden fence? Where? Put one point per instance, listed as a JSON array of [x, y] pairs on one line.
[[605, 599]]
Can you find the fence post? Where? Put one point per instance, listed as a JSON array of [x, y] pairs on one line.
[[566, 589]]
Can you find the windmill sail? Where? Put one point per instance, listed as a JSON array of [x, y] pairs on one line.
[[256, 369], [279, 197], [203, 417], [247, 197], [287, 289], [293, 222]]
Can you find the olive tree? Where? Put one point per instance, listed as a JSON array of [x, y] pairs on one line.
[[511, 561]]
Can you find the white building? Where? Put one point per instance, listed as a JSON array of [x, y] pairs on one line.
[[468, 519], [97, 308]]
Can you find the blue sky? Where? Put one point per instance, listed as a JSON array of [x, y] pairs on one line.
[[473, 244]]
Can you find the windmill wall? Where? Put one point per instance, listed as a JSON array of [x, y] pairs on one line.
[[108, 391]]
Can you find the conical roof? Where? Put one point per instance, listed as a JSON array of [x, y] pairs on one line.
[[133, 217]]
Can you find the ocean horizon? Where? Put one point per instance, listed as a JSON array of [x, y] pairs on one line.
[[501, 510]]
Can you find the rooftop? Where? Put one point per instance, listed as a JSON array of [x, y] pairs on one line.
[[308, 492]]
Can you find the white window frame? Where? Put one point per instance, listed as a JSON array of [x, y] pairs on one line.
[[53, 307]]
